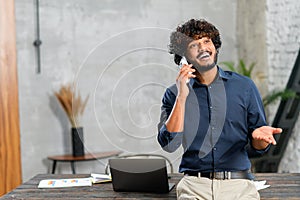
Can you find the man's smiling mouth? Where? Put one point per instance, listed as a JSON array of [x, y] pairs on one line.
[[203, 55]]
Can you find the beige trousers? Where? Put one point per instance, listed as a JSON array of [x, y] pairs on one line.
[[192, 187]]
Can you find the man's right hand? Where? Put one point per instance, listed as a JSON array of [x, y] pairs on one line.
[[175, 122], [185, 73]]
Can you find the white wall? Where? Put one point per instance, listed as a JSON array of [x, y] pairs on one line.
[[116, 51], [283, 43]]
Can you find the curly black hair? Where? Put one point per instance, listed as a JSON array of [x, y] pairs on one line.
[[189, 31]]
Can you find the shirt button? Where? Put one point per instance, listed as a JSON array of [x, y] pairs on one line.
[[212, 127], [214, 148]]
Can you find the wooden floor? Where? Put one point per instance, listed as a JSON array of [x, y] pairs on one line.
[[283, 186]]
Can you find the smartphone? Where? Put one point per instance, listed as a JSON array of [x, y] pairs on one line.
[[182, 62]]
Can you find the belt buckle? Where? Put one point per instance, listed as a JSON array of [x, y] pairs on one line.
[[220, 175], [227, 175], [213, 175]]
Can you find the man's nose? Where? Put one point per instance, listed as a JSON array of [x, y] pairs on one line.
[[201, 47]]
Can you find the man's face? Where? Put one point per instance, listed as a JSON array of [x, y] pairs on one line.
[[202, 54]]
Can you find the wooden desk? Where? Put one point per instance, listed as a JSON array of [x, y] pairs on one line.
[[86, 157], [283, 186]]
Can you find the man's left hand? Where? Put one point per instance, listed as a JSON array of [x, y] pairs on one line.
[[265, 134]]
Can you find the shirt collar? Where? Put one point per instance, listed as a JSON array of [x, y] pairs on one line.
[[221, 74]]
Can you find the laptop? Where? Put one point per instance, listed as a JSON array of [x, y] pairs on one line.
[[139, 175]]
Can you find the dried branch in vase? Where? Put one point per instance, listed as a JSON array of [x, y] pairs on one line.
[[72, 103]]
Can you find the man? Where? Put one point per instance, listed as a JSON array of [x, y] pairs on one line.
[[214, 115]]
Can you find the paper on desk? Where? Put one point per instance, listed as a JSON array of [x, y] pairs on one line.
[[100, 178], [59, 183], [260, 185], [74, 182]]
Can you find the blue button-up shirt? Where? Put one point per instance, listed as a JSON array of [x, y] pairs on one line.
[[218, 123]]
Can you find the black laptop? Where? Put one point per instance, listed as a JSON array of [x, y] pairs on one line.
[[139, 175]]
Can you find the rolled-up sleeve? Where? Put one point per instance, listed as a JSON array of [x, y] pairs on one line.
[[169, 141], [252, 152]]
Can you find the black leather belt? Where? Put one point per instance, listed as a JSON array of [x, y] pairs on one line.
[[222, 175]]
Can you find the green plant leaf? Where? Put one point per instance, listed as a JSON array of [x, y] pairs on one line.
[[244, 70], [242, 67], [251, 67], [229, 65], [276, 95]]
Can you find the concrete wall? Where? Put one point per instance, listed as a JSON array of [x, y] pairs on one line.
[[283, 43], [116, 52], [251, 37]]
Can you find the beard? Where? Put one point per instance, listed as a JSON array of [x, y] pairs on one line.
[[205, 68]]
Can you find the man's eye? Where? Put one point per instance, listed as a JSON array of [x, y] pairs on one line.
[[193, 46]]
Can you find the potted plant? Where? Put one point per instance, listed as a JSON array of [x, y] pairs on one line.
[[74, 106]]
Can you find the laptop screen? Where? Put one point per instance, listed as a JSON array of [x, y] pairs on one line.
[[139, 175]]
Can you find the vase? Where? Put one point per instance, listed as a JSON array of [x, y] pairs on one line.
[[77, 141]]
